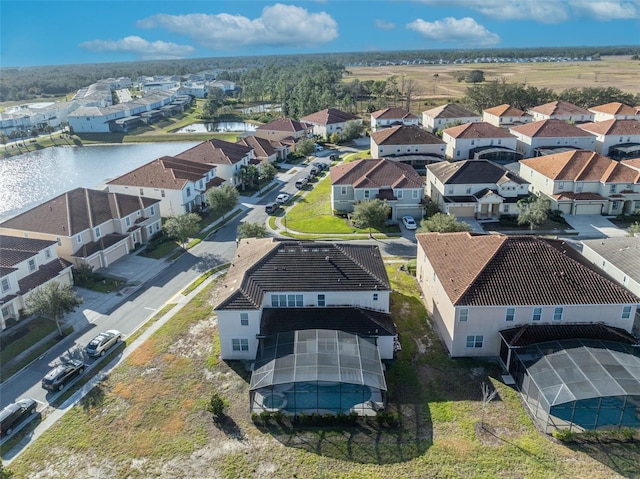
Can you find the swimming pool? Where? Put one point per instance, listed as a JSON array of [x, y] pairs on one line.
[[310, 397]]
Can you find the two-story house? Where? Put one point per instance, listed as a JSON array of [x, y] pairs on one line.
[[411, 142], [264, 151], [476, 140], [615, 138], [392, 117], [551, 136], [285, 131], [441, 117], [475, 189], [180, 185], [228, 158], [584, 182], [365, 180], [90, 227], [561, 110], [313, 319], [615, 111], [505, 116], [27, 264], [329, 121]]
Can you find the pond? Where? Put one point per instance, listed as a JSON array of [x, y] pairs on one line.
[[217, 126]]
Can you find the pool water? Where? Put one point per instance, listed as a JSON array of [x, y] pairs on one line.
[[334, 397]]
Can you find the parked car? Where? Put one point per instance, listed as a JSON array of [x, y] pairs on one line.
[[271, 208], [282, 198], [333, 157], [15, 413], [301, 183], [59, 376], [102, 342], [409, 222], [319, 147]]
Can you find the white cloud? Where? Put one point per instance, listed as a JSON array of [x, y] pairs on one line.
[[463, 31], [384, 25], [145, 50], [279, 25], [606, 10]]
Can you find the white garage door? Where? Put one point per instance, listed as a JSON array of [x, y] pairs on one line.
[[582, 209]]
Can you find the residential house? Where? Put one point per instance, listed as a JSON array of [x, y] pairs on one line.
[[90, 227], [410, 144], [329, 121], [392, 117], [27, 264], [632, 163], [443, 116], [505, 116], [615, 111], [477, 140], [227, 158], [312, 318], [475, 188], [584, 182], [180, 185], [364, 180], [286, 131], [475, 286], [264, 150], [551, 136], [561, 110], [619, 139]]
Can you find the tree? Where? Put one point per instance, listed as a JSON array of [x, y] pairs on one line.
[[182, 227], [53, 301], [352, 129], [442, 223], [305, 146], [267, 171], [634, 229], [370, 214], [251, 230], [216, 405], [534, 210], [474, 76], [222, 199]]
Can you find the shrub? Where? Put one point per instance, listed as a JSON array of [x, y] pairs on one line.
[[216, 405], [564, 435]]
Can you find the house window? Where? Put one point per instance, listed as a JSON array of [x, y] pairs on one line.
[[505, 208], [578, 187], [626, 312], [321, 300], [162, 193], [59, 241], [153, 210], [141, 192], [284, 301], [240, 344], [615, 205], [399, 194], [188, 191], [5, 284], [343, 190], [295, 301], [79, 238], [561, 185], [127, 221], [511, 314], [450, 190], [375, 296], [468, 190], [557, 313], [5, 312], [475, 341], [463, 314], [96, 231], [32, 264], [47, 253], [150, 230], [366, 194], [244, 319], [612, 188], [537, 314], [416, 194]]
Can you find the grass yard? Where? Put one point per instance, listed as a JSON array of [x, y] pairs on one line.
[[148, 419]]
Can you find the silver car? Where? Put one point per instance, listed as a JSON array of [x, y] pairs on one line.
[[102, 342]]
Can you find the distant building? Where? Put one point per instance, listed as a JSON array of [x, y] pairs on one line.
[[446, 115]]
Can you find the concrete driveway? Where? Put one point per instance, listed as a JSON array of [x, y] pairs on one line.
[[594, 226]]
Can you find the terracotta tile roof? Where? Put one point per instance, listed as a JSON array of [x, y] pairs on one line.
[[393, 114], [405, 135], [15, 249], [550, 128], [613, 127], [583, 165], [268, 265], [477, 130], [488, 270], [469, 172], [166, 172], [506, 110], [568, 195], [560, 108], [379, 173], [216, 152], [76, 211], [633, 163], [103, 243], [450, 110], [45, 273], [329, 116], [262, 148], [284, 124], [615, 108]]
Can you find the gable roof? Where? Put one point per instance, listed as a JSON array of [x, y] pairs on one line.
[[583, 165], [615, 108], [216, 152], [393, 114], [378, 173], [166, 172], [405, 135], [76, 211], [560, 108], [550, 128], [632, 163], [262, 147], [613, 127], [268, 265], [450, 110], [16, 249], [477, 130], [469, 172], [329, 116], [284, 124], [505, 110], [623, 253], [488, 270]]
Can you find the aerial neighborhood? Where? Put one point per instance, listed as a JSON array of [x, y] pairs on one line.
[[313, 319]]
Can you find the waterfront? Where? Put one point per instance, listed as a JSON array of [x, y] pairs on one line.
[[218, 126], [29, 179]]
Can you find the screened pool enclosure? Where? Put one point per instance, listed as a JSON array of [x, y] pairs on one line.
[[317, 371]]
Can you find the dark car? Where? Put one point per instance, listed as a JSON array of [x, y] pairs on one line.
[[59, 376], [271, 208], [15, 413]]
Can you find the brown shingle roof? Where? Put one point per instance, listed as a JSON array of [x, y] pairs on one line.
[[329, 116], [262, 147], [216, 152], [615, 108], [469, 172], [613, 127], [550, 128], [43, 274], [633, 163], [284, 124], [488, 270], [562, 108], [166, 172], [582, 165], [77, 210], [450, 110], [506, 110], [393, 114], [376, 174], [477, 130], [405, 135]]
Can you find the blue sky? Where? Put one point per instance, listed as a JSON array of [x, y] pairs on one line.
[[55, 32]]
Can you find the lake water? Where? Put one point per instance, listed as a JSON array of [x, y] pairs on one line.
[[28, 180], [217, 126]]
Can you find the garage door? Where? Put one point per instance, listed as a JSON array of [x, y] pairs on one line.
[[463, 211], [588, 209], [115, 254], [565, 208]]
